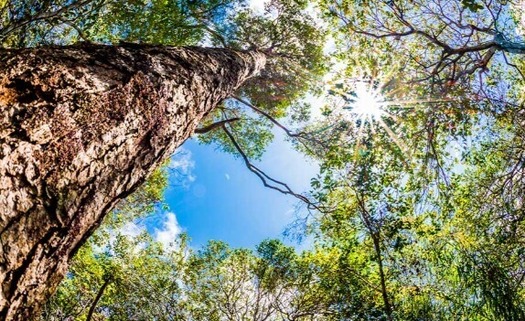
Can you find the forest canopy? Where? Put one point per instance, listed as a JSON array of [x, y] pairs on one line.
[[414, 111]]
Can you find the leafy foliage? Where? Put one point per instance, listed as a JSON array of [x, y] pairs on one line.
[[216, 283], [421, 195], [420, 213]]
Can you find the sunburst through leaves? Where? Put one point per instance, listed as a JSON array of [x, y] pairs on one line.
[[373, 106], [366, 105]]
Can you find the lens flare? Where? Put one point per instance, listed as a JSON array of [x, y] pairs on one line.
[[368, 103]]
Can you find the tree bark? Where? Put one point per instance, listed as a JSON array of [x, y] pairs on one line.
[[81, 128]]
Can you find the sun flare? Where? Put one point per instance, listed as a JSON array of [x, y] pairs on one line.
[[374, 106], [369, 105], [368, 102]]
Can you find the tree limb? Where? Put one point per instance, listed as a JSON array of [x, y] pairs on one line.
[[270, 118], [267, 180], [41, 15], [215, 125]]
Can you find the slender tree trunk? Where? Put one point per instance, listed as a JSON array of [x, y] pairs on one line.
[[382, 277], [376, 239], [81, 127], [99, 295]]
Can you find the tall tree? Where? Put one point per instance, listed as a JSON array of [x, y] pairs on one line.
[[83, 126], [136, 99]]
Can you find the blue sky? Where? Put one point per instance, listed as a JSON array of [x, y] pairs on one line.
[[222, 200]]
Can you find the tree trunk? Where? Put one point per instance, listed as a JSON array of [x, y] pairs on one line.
[[97, 298], [82, 127]]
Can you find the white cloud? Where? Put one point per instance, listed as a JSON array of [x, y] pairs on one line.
[[171, 229], [131, 229], [182, 166], [227, 176], [257, 5]]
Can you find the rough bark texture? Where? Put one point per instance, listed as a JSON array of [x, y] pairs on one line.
[[81, 127]]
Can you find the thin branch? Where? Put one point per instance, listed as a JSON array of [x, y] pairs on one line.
[[80, 33], [300, 136], [215, 125], [216, 34], [513, 65], [480, 64], [374, 231], [270, 118], [42, 15], [267, 180]]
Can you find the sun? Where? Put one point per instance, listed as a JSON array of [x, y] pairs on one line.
[[375, 106], [368, 103]]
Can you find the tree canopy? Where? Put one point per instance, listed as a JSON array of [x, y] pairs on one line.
[[417, 212]]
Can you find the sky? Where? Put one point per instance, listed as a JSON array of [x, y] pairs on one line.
[[218, 198]]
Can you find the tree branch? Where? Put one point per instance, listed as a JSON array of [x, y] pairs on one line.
[[215, 125], [41, 15], [267, 180], [270, 118]]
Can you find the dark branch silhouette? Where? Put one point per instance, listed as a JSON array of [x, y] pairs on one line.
[[215, 125], [265, 178], [466, 41]]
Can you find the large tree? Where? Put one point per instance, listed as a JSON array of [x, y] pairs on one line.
[[82, 127], [85, 125]]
